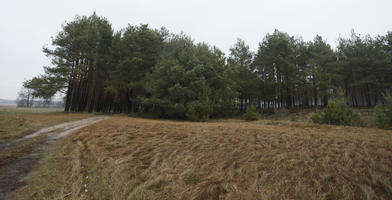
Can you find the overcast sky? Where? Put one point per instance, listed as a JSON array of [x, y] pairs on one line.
[[26, 26]]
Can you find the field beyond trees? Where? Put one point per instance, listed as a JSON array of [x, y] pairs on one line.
[[131, 158]]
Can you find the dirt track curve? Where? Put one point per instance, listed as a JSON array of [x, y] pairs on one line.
[[12, 175]]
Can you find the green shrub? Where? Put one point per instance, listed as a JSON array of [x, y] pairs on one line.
[[224, 108], [383, 112], [316, 117], [337, 112], [251, 114], [190, 177], [198, 111], [176, 110]]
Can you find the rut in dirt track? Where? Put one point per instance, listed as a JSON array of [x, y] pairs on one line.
[[13, 174]]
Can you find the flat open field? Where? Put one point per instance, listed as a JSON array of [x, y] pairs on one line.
[[130, 158]]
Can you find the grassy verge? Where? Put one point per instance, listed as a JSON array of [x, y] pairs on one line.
[[128, 158]]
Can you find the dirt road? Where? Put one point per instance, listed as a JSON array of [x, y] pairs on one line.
[[12, 173]]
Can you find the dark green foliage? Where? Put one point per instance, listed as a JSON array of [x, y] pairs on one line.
[[198, 111], [337, 112], [135, 53], [190, 82], [144, 70], [247, 83], [80, 59], [316, 118], [275, 62], [321, 62], [364, 68], [383, 112], [251, 114]]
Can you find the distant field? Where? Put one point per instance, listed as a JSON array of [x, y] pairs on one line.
[[139, 159], [12, 109], [16, 122]]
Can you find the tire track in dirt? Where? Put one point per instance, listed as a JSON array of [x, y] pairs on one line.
[[12, 175]]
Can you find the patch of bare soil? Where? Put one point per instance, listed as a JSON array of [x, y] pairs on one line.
[[19, 157]]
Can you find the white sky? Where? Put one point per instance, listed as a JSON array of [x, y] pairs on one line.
[[26, 26]]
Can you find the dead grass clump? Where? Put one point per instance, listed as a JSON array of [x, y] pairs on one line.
[[141, 194]]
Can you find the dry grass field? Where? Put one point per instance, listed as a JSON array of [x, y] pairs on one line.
[[140, 159]]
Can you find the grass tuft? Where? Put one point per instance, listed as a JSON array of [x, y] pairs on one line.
[[190, 177]]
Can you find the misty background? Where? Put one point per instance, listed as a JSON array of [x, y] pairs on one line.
[[27, 26]]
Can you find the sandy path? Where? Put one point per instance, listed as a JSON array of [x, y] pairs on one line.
[[12, 175]]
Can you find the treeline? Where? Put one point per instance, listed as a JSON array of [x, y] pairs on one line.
[[38, 103], [29, 98], [139, 69]]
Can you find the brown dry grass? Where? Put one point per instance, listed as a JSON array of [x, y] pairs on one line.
[[129, 158]]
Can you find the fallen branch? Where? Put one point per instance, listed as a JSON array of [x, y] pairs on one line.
[[67, 194]]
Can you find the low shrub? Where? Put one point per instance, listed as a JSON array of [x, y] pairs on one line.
[[190, 177], [198, 111], [316, 117], [293, 117], [337, 112], [251, 114], [383, 112]]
